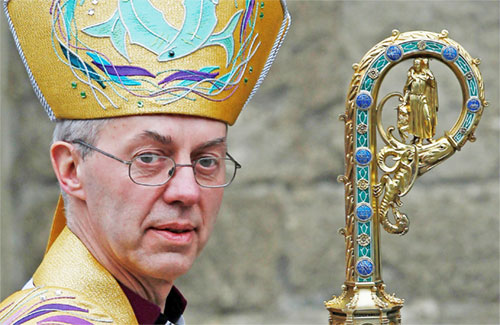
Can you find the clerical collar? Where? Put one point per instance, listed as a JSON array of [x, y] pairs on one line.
[[147, 312]]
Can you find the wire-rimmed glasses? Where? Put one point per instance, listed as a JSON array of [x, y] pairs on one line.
[[150, 169]]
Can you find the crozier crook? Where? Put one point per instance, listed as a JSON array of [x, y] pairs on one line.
[[370, 199]]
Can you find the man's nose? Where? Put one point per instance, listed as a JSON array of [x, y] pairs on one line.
[[182, 187]]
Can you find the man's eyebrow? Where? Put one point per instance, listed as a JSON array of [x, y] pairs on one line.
[[211, 143], [147, 134]]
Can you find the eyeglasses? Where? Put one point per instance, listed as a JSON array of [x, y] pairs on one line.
[[150, 169]]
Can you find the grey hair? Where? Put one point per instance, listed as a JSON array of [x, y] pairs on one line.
[[70, 130], [86, 130]]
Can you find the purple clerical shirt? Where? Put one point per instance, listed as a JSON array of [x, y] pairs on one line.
[[147, 312]]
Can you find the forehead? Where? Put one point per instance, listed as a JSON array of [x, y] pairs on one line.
[[180, 129]]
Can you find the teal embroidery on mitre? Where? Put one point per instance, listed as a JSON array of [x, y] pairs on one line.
[[81, 65], [197, 31], [69, 14], [118, 79], [208, 70], [147, 27]]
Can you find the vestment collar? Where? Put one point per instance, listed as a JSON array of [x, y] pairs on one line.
[[68, 264]]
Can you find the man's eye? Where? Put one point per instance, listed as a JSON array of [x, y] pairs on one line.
[[208, 162], [148, 158]]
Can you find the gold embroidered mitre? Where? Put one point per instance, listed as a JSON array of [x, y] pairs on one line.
[[96, 59]]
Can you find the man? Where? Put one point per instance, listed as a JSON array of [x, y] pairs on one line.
[[142, 92]]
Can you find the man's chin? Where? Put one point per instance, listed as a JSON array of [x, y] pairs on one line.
[[169, 266]]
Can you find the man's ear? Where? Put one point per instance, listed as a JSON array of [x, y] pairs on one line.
[[66, 162]]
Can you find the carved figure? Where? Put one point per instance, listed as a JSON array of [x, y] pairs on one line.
[[433, 154], [405, 172], [417, 113]]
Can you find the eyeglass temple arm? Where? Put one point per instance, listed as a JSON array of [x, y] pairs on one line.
[[85, 144], [231, 157]]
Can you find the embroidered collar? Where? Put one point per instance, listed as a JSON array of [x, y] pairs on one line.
[[68, 264]]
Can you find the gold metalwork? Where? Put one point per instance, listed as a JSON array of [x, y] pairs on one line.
[[364, 240], [417, 113], [373, 73], [364, 304], [405, 156], [391, 298], [348, 180], [363, 184], [421, 45], [404, 171], [362, 128]]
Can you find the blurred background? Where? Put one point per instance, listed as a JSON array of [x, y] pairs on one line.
[[275, 255]]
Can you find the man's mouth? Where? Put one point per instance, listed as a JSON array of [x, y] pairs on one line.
[[176, 227], [178, 234], [177, 231]]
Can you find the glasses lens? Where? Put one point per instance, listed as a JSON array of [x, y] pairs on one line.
[[151, 169], [214, 172]]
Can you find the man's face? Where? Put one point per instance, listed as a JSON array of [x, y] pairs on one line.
[[152, 232]]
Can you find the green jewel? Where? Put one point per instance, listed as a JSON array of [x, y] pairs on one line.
[[245, 80], [261, 15], [73, 85], [140, 104], [262, 4], [250, 69], [83, 94]]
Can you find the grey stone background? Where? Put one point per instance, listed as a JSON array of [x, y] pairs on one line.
[[275, 255]]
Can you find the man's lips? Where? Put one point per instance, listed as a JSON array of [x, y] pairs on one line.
[[176, 233]]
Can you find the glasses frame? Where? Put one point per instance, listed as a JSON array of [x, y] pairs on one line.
[[176, 165]]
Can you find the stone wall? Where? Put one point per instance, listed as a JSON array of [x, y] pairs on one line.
[[275, 255]]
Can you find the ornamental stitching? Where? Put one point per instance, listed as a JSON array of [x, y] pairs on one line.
[[123, 79]]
